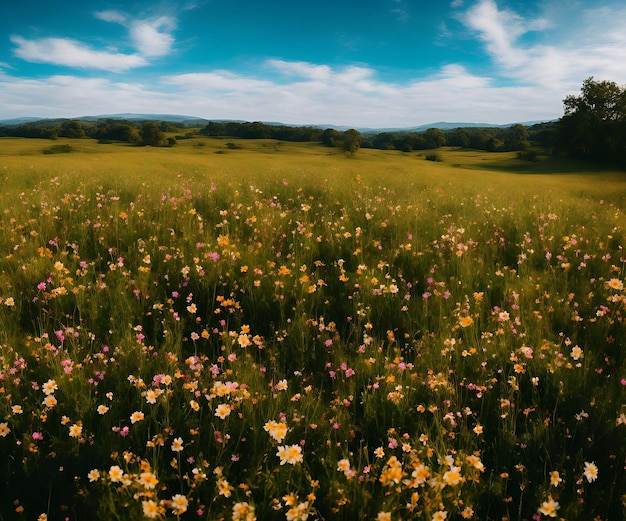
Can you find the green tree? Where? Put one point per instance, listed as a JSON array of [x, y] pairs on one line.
[[599, 100], [435, 138], [494, 144], [254, 130], [167, 126], [351, 141], [385, 141], [594, 122], [214, 128], [516, 138], [119, 132], [459, 137], [72, 129], [330, 137], [151, 134]]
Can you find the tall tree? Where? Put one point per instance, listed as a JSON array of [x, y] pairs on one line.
[[435, 138], [72, 129], [351, 141], [330, 137], [151, 134], [594, 123], [600, 100], [516, 137]]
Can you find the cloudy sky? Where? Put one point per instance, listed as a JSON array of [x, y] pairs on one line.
[[362, 63]]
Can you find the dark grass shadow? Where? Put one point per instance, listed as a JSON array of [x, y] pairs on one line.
[[545, 164]]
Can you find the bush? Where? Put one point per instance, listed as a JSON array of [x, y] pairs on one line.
[[527, 155], [433, 157], [58, 149]]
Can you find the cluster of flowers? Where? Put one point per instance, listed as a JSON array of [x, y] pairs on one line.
[[238, 355]]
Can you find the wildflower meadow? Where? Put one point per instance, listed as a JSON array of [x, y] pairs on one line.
[[211, 345]]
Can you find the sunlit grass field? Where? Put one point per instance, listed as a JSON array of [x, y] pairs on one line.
[[280, 331]]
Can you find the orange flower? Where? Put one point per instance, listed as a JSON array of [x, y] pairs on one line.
[[179, 504], [466, 321], [137, 416], [76, 430]]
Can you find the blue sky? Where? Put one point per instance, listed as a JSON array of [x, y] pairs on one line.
[[362, 63]]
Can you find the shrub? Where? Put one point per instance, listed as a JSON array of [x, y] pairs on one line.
[[527, 155], [58, 149]]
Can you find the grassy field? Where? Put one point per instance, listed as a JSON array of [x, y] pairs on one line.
[[211, 158], [279, 331]]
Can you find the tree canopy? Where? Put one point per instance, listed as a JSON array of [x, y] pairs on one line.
[[151, 134], [594, 123]]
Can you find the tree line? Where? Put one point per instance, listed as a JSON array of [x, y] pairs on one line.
[[104, 130], [516, 137], [593, 127]]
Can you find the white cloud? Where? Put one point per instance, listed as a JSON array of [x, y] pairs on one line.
[[73, 96], [111, 16], [528, 79], [301, 69], [352, 96], [151, 38], [499, 30], [70, 53], [190, 5], [356, 96], [569, 44], [361, 78], [216, 82]]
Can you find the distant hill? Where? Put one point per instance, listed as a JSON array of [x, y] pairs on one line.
[[173, 118], [18, 121], [197, 121], [441, 125]]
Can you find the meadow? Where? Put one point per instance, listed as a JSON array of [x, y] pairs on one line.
[[279, 331]]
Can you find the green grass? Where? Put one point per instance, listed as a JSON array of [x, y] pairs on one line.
[[422, 337], [267, 159]]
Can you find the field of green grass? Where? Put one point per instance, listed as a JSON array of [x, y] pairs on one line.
[[279, 331], [211, 158]]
